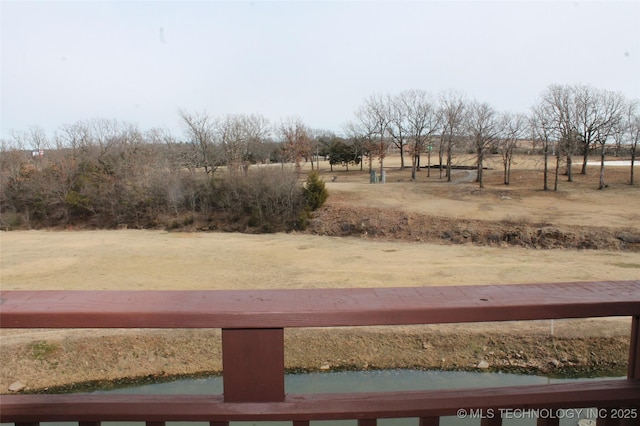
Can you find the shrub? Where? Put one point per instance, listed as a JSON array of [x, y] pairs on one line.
[[103, 190], [314, 192]]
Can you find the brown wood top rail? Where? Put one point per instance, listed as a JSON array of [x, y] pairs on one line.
[[609, 393], [316, 307]]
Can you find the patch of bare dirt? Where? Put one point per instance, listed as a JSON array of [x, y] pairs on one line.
[[342, 220]]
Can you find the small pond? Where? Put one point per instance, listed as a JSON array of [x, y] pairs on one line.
[[366, 381]]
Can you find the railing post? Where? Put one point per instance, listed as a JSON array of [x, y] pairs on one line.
[[634, 349], [429, 421], [253, 365]]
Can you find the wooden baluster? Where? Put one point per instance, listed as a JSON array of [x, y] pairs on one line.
[[219, 423], [253, 365], [301, 423], [429, 421], [155, 424], [367, 422], [88, 423]]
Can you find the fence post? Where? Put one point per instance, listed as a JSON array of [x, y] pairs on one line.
[[253, 365]]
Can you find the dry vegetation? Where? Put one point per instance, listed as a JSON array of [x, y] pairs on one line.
[[402, 233]]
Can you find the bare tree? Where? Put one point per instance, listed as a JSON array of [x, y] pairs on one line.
[[453, 109], [634, 132], [13, 158], [374, 118], [295, 139], [596, 112], [257, 131], [483, 128], [39, 141], [584, 117], [542, 130], [397, 123], [585, 121], [514, 127], [360, 138], [200, 130], [559, 101], [630, 124], [15, 166], [230, 134], [100, 137], [34, 140], [77, 136], [29, 177], [618, 137], [241, 137], [611, 106], [423, 120]]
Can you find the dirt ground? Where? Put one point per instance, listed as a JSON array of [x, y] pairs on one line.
[[384, 249]]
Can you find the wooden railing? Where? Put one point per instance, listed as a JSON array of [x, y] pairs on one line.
[[253, 324]]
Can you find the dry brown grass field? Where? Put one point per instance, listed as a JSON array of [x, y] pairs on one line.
[[137, 259]]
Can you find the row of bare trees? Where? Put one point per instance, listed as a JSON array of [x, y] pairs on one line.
[[567, 120], [415, 121], [574, 120], [239, 140]]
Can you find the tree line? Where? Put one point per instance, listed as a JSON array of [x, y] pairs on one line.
[[567, 120], [109, 173]]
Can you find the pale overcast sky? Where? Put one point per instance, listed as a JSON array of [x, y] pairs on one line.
[[140, 61]]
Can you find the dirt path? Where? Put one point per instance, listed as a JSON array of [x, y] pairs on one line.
[[469, 176]]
